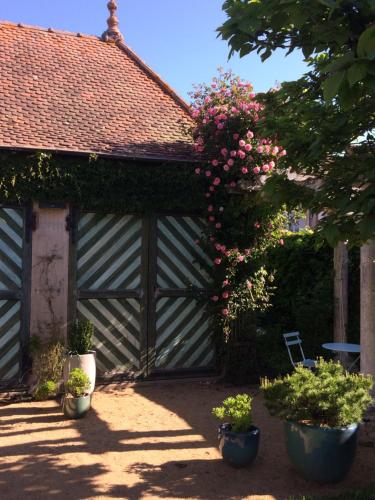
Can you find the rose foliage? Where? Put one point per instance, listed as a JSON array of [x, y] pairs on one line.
[[236, 162]]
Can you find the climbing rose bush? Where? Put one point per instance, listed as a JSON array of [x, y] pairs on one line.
[[237, 159]]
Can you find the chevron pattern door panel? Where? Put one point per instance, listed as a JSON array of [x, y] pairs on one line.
[[109, 252], [11, 272], [109, 282], [180, 261], [183, 336], [117, 327]]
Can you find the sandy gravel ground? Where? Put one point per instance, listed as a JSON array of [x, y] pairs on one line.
[[150, 440]]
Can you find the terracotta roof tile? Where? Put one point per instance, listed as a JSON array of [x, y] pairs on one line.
[[65, 92]]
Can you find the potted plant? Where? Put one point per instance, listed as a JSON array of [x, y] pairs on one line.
[[322, 410], [238, 438], [77, 400], [80, 353]]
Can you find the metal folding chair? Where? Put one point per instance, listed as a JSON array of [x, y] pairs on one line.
[[291, 339]]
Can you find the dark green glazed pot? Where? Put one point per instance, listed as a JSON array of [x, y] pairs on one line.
[[238, 449], [76, 407], [321, 454]]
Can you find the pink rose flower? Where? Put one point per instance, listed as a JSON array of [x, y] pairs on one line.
[[217, 261], [241, 154], [220, 126], [245, 170], [215, 163], [260, 149], [236, 137], [232, 184], [226, 168], [197, 170], [233, 154], [225, 312], [230, 162], [283, 153], [256, 170], [248, 147], [249, 134], [275, 150], [218, 225], [224, 152], [215, 298], [281, 241], [242, 143], [225, 295], [241, 258], [208, 173], [272, 164], [216, 181], [225, 283], [265, 168]]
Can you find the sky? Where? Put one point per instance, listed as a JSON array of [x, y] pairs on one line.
[[176, 38]]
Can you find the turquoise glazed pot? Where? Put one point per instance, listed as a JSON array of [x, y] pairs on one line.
[[321, 454], [76, 407], [238, 449]]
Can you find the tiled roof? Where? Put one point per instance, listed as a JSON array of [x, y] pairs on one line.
[[67, 92]]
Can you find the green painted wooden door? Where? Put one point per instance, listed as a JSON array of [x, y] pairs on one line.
[[141, 282], [110, 289], [182, 339], [12, 293]]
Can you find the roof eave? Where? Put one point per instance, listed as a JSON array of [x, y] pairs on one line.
[[113, 156]]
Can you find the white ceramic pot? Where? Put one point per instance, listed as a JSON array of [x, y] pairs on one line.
[[86, 362]]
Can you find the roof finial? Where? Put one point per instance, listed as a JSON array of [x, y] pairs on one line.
[[112, 34]]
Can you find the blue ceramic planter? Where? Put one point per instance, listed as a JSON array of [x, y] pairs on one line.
[[238, 449], [321, 454], [76, 407]]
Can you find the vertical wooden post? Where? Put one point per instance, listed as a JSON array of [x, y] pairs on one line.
[[368, 308], [340, 328]]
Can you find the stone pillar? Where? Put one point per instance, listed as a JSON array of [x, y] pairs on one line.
[[49, 274], [368, 308]]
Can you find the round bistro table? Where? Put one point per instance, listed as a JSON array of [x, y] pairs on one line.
[[344, 347]]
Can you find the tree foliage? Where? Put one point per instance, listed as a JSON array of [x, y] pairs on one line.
[[326, 119], [339, 34]]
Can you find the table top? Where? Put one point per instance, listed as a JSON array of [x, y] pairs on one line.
[[342, 347]]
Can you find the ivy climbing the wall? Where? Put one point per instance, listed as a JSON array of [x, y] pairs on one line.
[[98, 183]]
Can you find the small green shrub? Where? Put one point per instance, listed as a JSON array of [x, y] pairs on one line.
[[78, 383], [47, 365], [45, 390], [80, 337], [236, 411], [328, 396]]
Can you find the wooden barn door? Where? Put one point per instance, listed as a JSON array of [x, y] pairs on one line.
[[180, 335], [110, 255], [143, 283], [14, 285]]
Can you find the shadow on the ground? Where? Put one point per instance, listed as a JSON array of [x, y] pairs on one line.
[[41, 470]]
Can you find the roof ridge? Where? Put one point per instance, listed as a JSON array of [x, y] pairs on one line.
[[121, 45], [47, 30]]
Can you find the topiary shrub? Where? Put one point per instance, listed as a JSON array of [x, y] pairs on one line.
[[328, 396], [78, 383], [236, 411], [80, 337], [46, 390]]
